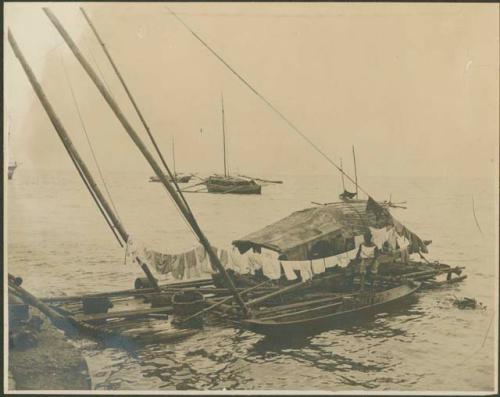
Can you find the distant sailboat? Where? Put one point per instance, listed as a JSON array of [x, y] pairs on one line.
[[179, 178], [226, 183], [12, 164], [12, 168]]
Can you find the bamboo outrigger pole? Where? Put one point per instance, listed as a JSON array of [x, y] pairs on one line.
[[145, 152], [73, 153], [136, 107]]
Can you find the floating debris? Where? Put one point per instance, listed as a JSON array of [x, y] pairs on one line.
[[468, 303]]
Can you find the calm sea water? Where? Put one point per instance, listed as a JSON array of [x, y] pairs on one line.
[[59, 244]]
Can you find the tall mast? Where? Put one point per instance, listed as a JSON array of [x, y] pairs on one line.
[[223, 135], [73, 153], [148, 156], [342, 175], [173, 154], [134, 104], [355, 170]]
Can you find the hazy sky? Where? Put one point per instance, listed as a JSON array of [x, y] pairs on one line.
[[413, 86]]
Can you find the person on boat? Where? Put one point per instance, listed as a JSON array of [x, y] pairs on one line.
[[391, 244], [367, 257], [404, 245]]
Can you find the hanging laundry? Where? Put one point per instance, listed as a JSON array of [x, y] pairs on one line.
[[352, 253], [190, 268], [288, 268], [178, 267], [203, 261], [254, 261], [379, 236], [271, 266], [358, 240], [402, 241], [332, 261], [392, 237], [318, 266], [238, 262], [305, 270]]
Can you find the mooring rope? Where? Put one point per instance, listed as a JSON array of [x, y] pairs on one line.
[[267, 102]]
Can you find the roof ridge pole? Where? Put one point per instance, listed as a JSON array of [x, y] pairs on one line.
[[68, 144], [147, 155]]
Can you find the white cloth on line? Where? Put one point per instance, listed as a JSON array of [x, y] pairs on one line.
[[318, 266], [403, 242], [358, 240], [271, 267], [305, 270], [288, 268], [379, 236]]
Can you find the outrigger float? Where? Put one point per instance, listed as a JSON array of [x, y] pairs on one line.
[[153, 313]]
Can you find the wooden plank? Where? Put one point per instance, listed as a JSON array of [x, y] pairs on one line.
[[122, 314]]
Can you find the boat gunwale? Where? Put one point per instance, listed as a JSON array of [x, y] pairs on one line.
[[306, 320]]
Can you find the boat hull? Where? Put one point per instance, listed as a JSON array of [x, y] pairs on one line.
[[234, 189], [331, 316]]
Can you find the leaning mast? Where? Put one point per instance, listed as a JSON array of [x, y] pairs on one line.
[[223, 135], [148, 156], [80, 165]]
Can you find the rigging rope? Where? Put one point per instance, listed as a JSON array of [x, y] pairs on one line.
[[99, 71], [84, 130], [143, 121], [268, 103]]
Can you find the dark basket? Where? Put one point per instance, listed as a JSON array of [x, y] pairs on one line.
[[186, 303], [96, 305]]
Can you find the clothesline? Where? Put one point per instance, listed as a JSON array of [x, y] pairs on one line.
[[195, 263]]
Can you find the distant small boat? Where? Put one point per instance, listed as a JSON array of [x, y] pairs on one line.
[[12, 168], [229, 184], [179, 178], [226, 183]]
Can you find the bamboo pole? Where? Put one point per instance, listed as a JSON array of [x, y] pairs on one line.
[[342, 175], [145, 152], [355, 171], [134, 104], [223, 135], [68, 144], [136, 107]]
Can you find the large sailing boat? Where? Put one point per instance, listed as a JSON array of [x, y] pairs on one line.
[[179, 178], [226, 183]]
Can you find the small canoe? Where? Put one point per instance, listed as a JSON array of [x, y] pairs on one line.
[[328, 314], [178, 178]]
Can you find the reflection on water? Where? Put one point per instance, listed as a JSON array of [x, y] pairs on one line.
[[59, 245]]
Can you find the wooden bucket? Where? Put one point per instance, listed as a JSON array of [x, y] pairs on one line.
[[94, 305], [186, 304]]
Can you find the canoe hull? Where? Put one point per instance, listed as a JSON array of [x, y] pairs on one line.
[[178, 178], [333, 316]]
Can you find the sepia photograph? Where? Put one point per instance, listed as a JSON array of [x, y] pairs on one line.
[[251, 198]]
